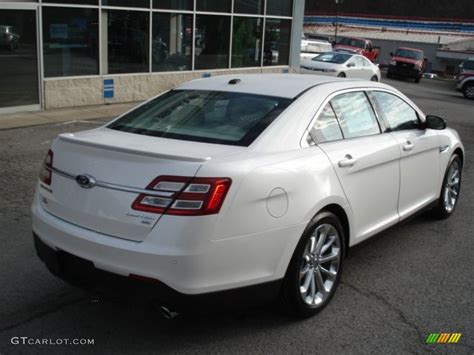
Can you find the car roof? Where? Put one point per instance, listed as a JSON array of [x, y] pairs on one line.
[[279, 85]]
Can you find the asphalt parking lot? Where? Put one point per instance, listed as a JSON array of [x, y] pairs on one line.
[[412, 280]]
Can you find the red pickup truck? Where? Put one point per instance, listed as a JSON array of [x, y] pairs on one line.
[[407, 62], [358, 45]]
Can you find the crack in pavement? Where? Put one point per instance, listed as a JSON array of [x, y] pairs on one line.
[[41, 314], [398, 312]]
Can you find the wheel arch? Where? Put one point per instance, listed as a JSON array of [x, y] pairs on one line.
[[343, 218], [459, 152]]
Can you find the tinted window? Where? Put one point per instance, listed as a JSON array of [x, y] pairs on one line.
[[277, 42], [337, 58], [246, 42], [279, 7], [326, 128], [172, 41], [396, 112], [173, 4], [127, 3], [248, 6], [127, 41], [70, 41], [204, 116], [214, 5], [212, 42], [355, 115]]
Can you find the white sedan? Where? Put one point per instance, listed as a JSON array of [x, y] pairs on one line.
[[252, 183], [341, 64]]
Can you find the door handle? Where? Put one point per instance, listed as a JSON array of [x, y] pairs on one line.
[[408, 146], [347, 162]]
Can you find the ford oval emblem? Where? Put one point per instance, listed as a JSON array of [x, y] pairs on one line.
[[86, 181]]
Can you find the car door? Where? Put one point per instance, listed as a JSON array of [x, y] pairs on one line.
[[365, 160], [419, 149]]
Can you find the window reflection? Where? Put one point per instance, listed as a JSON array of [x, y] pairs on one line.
[[212, 42], [246, 42], [128, 37], [70, 41], [277, 42], [172, 41]]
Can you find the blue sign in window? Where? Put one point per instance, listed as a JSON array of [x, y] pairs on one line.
[[108, 88]]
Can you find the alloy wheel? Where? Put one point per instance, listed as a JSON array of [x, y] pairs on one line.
[[452, 186], [320, 265]]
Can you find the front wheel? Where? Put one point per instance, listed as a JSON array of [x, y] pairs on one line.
[[450, 190], [315, 268], [341, 75], [468, 91]]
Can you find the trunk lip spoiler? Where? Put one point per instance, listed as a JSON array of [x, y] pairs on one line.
[[70, 138], [111, 186]]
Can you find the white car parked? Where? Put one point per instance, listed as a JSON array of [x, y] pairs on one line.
[[234, 183], [341, 64]]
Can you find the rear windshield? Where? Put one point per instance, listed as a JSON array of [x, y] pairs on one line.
[[204, 116], [337, 58], [406, 53]]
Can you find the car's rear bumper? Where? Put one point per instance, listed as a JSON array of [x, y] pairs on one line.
[[178, 254], [83, 274], [404, 71]]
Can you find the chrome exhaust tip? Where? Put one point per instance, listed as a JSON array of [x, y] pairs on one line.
[[167, 313]]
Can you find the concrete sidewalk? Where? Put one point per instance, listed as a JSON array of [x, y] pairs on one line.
[[24, 119]]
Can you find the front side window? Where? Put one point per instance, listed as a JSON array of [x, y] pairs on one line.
[[212, 42], [70, 41], [355, 114], [172, 41], [326, 127], [396, 112], [204, 116]]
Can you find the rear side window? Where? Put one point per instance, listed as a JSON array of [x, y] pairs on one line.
[[204, 116], [396, 112], [326, 127], [355, 114]]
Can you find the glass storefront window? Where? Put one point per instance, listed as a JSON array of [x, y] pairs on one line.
[[277, 42], [127, 3], [128, 37], [280, 7], [173, 4], [214, 5], [246, 42], [212, 42], [172, 41], [70, 41], [248, 7], [73, 2]]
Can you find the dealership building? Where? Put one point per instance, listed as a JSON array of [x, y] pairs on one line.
[[63, 53]]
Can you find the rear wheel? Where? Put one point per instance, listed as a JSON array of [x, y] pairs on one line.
[[341, 75], [468, 91], [374, 78], [450, 190], [315, 269]]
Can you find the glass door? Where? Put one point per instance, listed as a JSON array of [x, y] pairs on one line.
[[19, 79]]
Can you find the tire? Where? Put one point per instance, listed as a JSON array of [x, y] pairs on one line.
[[341, 75], [306, 303], [468, 91], [450, 190], [374, 78]]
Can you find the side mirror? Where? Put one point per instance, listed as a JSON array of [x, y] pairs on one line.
[[435, 122]]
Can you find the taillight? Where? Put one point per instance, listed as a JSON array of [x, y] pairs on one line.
[[45, 172], [179, 195]]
